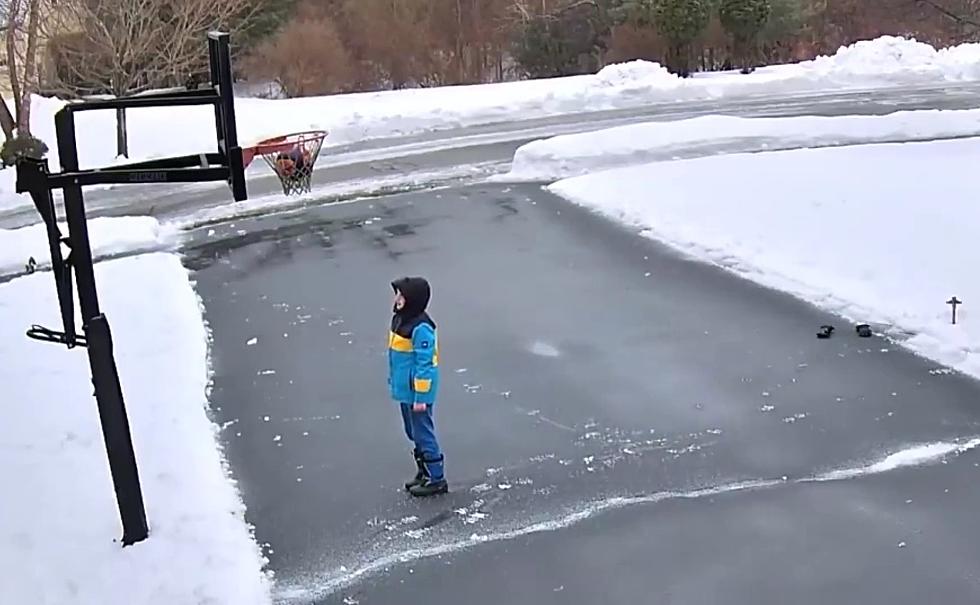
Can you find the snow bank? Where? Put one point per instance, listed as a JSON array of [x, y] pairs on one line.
[[892, 58], [884, 61], [882, 234], [158, 132], [108, 237], [58, 517], [576, 154]]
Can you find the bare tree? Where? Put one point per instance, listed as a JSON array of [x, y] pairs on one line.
[[12, 29], [29, 80], [124, 47], [21, 25], [6, 120], [306, 57], [963, 14], [394, 41]]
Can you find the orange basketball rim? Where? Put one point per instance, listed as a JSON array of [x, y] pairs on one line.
[[291, 156]]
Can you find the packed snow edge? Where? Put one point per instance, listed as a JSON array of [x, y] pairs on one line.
[[862, 232], [578, 154]]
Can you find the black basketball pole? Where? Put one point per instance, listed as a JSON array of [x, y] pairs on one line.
[[105, 377], [33, 176]]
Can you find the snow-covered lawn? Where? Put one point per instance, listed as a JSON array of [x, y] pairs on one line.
[[108, 236], [159, 132], [881, 234], [575, 154], [58, 516]]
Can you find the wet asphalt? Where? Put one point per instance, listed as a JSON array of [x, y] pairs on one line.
[[621, 424]]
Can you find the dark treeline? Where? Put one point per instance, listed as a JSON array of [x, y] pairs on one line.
[[327, 46]]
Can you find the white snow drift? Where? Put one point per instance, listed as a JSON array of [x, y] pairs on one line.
[[108, 236], [882, 234], [576, 154], [159, 132], [58, 516]]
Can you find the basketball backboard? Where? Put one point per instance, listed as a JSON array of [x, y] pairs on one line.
[[223, 163]]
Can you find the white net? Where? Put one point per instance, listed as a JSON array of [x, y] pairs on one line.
[[293, 158]]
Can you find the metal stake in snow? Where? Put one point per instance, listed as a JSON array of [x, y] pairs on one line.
[[954, 301]]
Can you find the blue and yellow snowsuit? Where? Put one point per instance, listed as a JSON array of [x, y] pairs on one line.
[[413, 372]]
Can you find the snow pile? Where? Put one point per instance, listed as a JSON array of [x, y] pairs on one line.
[[882, 62], [575, 154], [636, 72], [961, 62], [893, 58], [159, 132], [58, 519], [108, 237], [882, 234], [883, 57]]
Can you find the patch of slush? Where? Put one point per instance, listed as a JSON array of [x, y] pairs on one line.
[[544, 349]]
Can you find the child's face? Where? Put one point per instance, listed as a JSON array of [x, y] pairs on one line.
[[399, 300]]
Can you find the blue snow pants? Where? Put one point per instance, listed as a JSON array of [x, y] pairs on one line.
[[420, 429]]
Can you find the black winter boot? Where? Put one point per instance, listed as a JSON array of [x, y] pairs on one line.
[[428, 487], [421, 475]]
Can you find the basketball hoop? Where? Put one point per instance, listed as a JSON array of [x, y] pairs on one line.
[[291, 157]]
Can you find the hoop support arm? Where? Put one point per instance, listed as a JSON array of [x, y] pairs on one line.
[[149, 175]]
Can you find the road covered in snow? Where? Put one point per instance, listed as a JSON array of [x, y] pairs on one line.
[[411, 139], [471, 154], [879, 64], [571, 155]]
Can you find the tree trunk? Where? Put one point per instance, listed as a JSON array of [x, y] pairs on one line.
[[6, 120], [30, 63], [13, 9], [122, 137], [460, 67]]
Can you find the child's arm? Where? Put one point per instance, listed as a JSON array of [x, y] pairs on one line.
[[424, 345]]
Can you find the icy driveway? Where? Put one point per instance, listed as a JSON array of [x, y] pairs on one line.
[[582, 364]]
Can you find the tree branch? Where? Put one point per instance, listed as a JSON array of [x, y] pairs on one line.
[[12, 31], [30, 69], [962, 20], [128, 46]]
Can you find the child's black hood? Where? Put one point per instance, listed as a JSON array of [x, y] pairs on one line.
[[416, 291]]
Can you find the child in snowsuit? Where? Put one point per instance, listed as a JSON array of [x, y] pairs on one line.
[[413, 379]]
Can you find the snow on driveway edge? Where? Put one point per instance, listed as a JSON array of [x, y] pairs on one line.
[[822, 225], [59, 527], [108, 236], [577, 154]]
